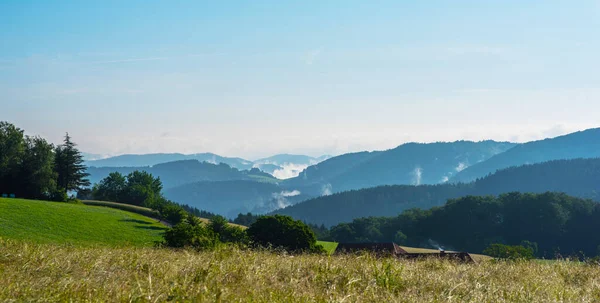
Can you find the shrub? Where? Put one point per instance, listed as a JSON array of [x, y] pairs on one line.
[[227, 233], [74, 200], [515, 252], [283, 232], [190, 235], [59, 195], [172, 213]]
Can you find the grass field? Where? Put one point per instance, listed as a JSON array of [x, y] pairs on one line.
[[52, 222], [139, 210], [329, 246], [144, 211], [58, 273]]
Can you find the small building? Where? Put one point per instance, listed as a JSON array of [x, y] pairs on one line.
[[393, 249], [388, 248]]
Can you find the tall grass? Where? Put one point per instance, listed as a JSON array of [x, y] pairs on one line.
[[52, 273]]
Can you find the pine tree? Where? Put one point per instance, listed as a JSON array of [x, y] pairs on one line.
[[69, 167]]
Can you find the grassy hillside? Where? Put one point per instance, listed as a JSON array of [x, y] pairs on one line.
[[140, 210], [57, 273], [51, 222]]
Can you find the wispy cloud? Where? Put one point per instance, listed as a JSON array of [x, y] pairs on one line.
[[312, 56], [133, 60], [485, 50]]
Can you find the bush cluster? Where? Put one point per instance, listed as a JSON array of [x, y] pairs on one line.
[[280, 232]]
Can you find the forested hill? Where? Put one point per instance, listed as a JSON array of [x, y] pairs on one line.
[[551, 223], [183, 172], [411, 163], [230, 198], [583, 144], [154, 159], [579, 177]]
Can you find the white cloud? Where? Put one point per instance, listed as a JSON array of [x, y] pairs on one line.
[[417, 175], [289, 170], [461, 166], [280, 198], [326, 190]]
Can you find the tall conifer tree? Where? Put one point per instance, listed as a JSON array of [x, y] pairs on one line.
[[72, 175]]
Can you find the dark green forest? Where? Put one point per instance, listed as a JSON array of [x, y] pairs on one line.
[[557, 224]]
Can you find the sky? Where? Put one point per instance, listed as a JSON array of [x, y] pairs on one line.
[[256, 78]]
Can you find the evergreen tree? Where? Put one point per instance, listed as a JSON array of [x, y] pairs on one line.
[[69, 167]]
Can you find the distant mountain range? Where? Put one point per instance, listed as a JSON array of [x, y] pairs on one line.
[[580, 178], [584, 144], [443, 170], [411, 163], [282, 166], [182, 172], [229, 198], [154, 159]]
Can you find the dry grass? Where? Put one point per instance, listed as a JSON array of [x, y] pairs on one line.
[[55, 273]]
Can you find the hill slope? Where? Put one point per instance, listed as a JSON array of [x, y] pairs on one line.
[[52, 222], [411, 163], [230, 198], [185, 171], [580, 178], [583, 144], [153, 159]]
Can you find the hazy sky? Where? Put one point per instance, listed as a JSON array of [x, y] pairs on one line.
[[254, 78]]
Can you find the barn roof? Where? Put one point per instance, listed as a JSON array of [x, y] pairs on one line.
[[387, 247]]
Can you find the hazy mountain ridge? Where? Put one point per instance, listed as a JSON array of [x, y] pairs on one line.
[[282, 166], [182, 172], [411, 163], [287, 165], [230, 198], [142, 160], [578, 177], [583, 144]]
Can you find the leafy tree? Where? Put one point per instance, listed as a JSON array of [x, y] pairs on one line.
[[515, 252], [400, 238], [37, 175], [226, 232], [283, 232], [111, 188], [12, 148], [245, 219], [172, 213], [143, 189], [69, 166]]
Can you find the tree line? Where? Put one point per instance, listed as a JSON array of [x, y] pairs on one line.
[[32, 168], [553, 223]]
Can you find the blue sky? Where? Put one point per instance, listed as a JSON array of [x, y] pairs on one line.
[[254, 78]]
